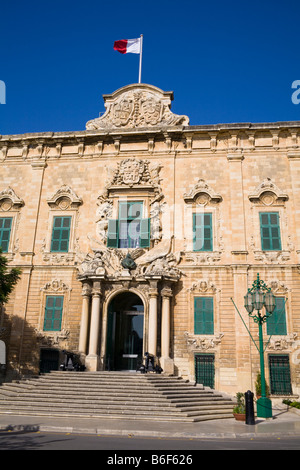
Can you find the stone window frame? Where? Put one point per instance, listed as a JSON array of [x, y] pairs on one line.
[[202, 199], [58, 213], [142, 185], [55, 287], [267, 197], [286, 342], [192, 209], [204, 288], [126, 198], [11, 206], [65, 202], [255, 242]]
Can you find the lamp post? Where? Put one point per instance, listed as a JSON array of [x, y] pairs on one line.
[[257, 297]]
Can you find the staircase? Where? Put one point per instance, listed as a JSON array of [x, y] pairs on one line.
[[117, 395]]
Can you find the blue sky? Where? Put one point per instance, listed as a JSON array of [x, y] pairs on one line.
[[226, 62]]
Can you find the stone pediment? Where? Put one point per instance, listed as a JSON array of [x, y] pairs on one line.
[[268, 193], [137, 106]]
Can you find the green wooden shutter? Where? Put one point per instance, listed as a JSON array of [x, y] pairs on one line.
[[202, 230], [203, 316], [145, 233], [133, 231], [53, 312], [276, 323], [61, 234], [5, 231], [270, 231], [112, 235]]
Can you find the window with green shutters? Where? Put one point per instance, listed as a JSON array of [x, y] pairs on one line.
[[5, 231], [61, 234], [203, 315], [202, 230], [130, 230], [276, 323], [53, 312], [270, 231]]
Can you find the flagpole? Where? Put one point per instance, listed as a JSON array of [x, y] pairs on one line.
[[141, 54]]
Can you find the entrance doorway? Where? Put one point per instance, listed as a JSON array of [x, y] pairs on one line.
[[49, 360], [205, 369], [125, 332]]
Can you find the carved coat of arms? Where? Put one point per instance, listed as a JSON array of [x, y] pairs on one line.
[[137, 105], [131, 171], [151, 111], [122, 112]]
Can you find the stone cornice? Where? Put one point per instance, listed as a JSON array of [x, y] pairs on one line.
[[72, 136], [283, 137]]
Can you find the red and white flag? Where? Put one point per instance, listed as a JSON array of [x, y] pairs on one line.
[[128, 45]]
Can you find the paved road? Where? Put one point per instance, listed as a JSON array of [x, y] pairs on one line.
[[66, 441]]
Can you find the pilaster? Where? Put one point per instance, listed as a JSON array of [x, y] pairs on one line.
[[237, 203], [242, 338]]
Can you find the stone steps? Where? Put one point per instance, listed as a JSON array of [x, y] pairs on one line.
[[113, 395]]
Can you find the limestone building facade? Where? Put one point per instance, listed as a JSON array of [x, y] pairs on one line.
[[143, 233]]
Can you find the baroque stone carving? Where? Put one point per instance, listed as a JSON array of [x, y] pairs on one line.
[[272, 257], [203, 286], [129, 173], [278, 287], [202, 194], [268, 193], [202, 343], [56, 285], [137, 106], [104, 212], [9, 200], [132, 171], [53, 338], [163, 267], [111, 262], [198, 258], [280, 343], [64, 198]]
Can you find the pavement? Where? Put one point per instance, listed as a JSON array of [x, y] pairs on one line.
[[284, 423]]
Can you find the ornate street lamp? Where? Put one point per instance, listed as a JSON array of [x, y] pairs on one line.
[[257, 297]]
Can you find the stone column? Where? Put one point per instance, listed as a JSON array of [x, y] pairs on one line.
[[152, 325], [83, 337], [166, 362], [92, 359]]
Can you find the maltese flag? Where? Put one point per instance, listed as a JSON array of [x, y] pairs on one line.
[[128, 45]]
